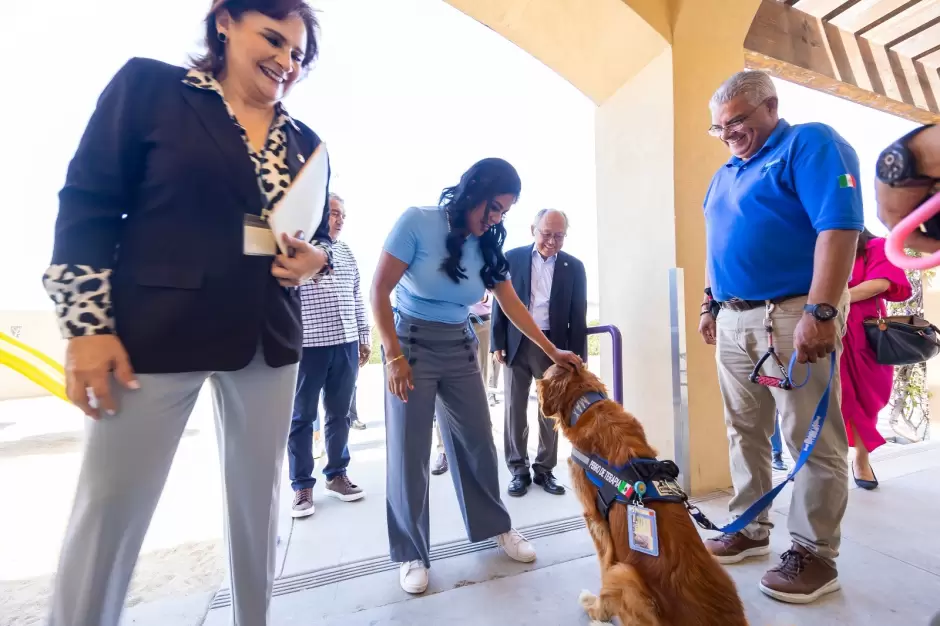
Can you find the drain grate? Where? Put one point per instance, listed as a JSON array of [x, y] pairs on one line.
[[375, 565]]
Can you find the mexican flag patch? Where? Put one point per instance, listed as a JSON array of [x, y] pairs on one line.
[[846, 181]]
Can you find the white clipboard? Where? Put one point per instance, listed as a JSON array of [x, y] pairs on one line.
[[301, 208]]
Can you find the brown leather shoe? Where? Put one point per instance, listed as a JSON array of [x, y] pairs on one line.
[[344, 489], [303, 503], [735, 547], [800, 578]]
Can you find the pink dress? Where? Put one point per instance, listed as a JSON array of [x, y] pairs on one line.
[[866, 384]]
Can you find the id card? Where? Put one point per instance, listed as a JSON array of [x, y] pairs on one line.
[[642, 525], [259, 238]]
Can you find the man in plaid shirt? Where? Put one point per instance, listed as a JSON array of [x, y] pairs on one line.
[[337, 342]]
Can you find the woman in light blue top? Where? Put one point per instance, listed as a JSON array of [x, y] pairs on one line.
[[440, 260]]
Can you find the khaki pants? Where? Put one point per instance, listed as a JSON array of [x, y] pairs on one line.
[[820, 490], [489, 366]]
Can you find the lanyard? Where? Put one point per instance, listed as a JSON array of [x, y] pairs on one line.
[[815, 427]]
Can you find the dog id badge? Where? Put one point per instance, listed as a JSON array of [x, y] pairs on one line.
[[259, 238], [643, 535]]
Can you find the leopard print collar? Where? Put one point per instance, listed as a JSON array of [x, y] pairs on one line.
[[205, 80]]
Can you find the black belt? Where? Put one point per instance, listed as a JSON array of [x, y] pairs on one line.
[[736, 304]]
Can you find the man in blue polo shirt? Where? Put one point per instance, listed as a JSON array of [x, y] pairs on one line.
[[782, 218]]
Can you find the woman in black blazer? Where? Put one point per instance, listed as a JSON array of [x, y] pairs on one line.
[[156, 294]]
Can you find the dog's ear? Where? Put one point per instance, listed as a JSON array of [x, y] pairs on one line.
[[552, 389]]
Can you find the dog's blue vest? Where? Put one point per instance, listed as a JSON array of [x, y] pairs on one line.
[[639, 481]]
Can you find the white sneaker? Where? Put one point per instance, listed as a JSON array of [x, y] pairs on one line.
[[413, 577], [516, 546]]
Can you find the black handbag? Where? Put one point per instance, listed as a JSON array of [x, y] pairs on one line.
[[902, 339]]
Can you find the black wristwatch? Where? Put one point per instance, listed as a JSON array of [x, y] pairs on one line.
[[822, 312], [897, 167]]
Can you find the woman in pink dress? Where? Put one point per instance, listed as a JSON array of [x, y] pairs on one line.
[[866, 384]]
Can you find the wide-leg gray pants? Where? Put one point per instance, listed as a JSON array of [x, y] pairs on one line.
[[447, 378], [126, 462]]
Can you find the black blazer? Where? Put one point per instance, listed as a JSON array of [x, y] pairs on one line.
[[157, 191], [567, 308]]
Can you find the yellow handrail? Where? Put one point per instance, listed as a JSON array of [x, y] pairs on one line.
[[34, 352]]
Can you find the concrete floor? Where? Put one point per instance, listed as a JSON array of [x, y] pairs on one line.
[[889, 567]]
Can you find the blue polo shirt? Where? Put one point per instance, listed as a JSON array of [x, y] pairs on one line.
[[762, 215]]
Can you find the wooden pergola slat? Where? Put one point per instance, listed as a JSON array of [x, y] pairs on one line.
[[820, 8], [904, 23], [868, 13], [890, 63]]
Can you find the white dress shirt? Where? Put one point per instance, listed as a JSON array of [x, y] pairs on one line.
[[543, 272]]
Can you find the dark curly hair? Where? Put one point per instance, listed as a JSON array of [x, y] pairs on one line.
[[213, 61], [480, 184]]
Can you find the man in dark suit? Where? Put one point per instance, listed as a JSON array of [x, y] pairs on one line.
[[553, 285]]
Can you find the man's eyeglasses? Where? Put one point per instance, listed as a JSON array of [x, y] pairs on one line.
[[558, 237], [733, 126]]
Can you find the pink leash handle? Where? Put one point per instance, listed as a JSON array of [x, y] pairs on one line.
[[894, 244]]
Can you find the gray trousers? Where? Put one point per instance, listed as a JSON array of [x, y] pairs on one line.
[[488, 367], [126, 462], [529, 363], [447, 381]]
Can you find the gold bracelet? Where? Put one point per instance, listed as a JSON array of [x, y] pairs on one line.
[[400, 356]]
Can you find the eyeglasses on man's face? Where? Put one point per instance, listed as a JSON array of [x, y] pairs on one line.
[[734, 125], [556, 237]]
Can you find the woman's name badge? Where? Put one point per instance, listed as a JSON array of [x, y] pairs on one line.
[[642, 525], [259, 238]]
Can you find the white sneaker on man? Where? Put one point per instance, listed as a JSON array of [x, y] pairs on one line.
[[413, 577], [516, 546]]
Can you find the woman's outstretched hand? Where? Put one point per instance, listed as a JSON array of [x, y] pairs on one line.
[[566, 359]]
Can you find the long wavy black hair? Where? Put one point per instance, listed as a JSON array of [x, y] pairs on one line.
[[481, 183]]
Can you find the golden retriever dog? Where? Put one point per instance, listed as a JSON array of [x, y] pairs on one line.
[[684, 585]]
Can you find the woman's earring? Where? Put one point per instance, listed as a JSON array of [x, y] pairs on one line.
[[223, 37]]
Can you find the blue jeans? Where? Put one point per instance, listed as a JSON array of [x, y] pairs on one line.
[[331, 370], [775, 444], [353, 411]]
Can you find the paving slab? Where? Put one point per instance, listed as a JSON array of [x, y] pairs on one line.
[[888, 570], [484, 588]]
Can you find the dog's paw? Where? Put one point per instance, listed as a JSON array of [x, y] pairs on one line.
[[597, 623], [587, 599]]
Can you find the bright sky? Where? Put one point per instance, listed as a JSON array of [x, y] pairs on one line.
[[406, 94]]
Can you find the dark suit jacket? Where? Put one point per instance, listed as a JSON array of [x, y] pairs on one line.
[[157, 191], [567, 314]]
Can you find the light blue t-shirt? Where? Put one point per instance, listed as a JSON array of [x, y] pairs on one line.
[[425, 290]]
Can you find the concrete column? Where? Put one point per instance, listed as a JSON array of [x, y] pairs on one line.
[[654, 163]]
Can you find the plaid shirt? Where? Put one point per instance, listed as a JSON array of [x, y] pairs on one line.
[[333, 309]]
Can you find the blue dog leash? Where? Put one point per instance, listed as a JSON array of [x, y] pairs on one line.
[[809, 443]]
